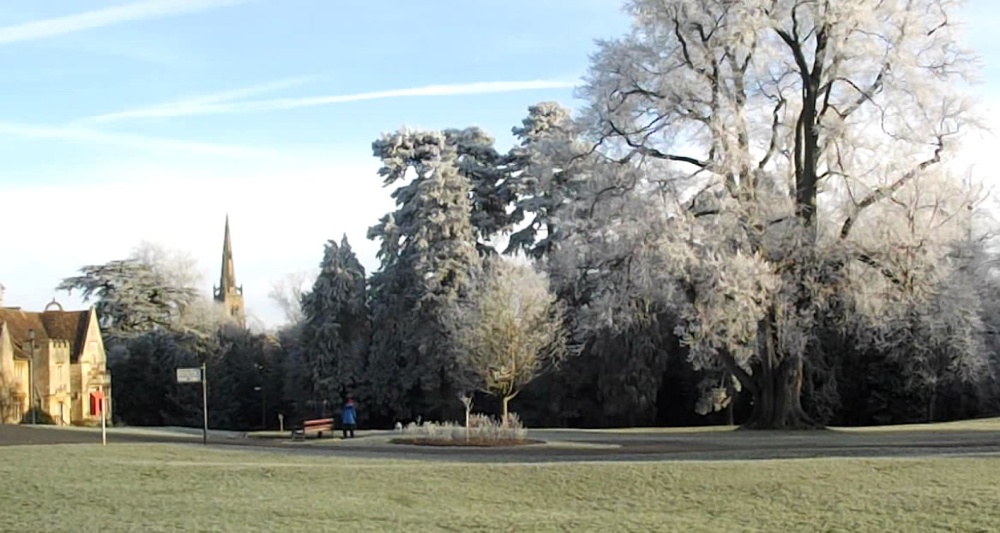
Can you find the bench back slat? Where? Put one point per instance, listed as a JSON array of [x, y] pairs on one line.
[[318, 422]]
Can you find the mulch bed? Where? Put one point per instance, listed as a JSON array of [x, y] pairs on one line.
[[462, 443]]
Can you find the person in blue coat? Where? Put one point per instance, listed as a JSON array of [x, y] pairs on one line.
[[349, 418]]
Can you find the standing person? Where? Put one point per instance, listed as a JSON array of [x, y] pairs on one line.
[[349, 417]]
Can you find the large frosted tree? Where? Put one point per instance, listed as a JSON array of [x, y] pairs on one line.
[[130, 296], [336, 325], [153, 288], [427, 254], [775, 158]]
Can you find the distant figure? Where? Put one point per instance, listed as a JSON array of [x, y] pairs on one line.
[[399, 426], [349, 417]]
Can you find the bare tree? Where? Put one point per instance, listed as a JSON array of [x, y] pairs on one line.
[[510, 330], [205, 317], [287, 293], [176, 267]]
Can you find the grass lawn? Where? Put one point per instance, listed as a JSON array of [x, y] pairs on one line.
[[160, 487]]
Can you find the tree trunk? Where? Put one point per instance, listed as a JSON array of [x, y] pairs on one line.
[[731, 394], [777, 403], [776, 386], [506, 401], [468, 417]]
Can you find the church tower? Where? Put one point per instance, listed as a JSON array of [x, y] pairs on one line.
[[227, 293]]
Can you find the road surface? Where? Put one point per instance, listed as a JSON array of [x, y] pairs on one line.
[[567, 445]]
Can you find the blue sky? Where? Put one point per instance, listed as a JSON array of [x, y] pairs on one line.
[[300, 48], [151, 120]]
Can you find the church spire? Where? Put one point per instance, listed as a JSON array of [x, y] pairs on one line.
[[227, 282], [228, 293]]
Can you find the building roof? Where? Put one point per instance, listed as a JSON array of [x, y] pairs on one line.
[[59, 325]]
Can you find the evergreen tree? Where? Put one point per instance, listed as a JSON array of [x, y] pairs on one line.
[[336, 326], [130, 296], [428, 253], [487, 170], [544, 169]]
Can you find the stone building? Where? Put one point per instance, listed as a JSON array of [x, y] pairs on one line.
[[61, 354]]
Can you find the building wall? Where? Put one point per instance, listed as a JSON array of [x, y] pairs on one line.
[[6, 353], [40, 373], [8, 372], [58, 393], [21, 389], [93, 370], [75, 383]]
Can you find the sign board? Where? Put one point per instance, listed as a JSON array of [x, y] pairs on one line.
[[189, 375], [97, 402]]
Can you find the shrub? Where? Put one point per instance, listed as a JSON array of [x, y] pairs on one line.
[[482, 429], [41, 417]]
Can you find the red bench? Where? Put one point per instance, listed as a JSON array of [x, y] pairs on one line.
[[318, 426]]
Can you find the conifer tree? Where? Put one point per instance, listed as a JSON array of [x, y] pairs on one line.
[[336, 326]]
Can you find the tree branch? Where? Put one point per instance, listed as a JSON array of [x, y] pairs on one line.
[[653, 152], [883, 192], [775, 125], [874, 263], [742, 375]]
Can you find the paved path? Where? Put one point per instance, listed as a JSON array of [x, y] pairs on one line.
[[11, 435], [567, 445]]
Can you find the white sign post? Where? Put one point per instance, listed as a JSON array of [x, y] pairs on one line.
[[104, 418], [188, 375], [197, 375]]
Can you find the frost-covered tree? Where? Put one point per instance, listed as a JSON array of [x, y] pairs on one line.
[[545, 167], [775, 156], [204, 316], [428, 253], [509, 330], [486, 169], [200, 314], [154, 287], [393, 368], [130, 296], [336, 325]]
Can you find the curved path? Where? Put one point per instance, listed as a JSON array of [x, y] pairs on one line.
[[571, 445]]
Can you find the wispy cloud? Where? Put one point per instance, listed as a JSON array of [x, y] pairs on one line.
[[192, 107], [81, 134], [146, 10]]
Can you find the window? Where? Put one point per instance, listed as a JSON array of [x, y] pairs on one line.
[[61, 378]]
